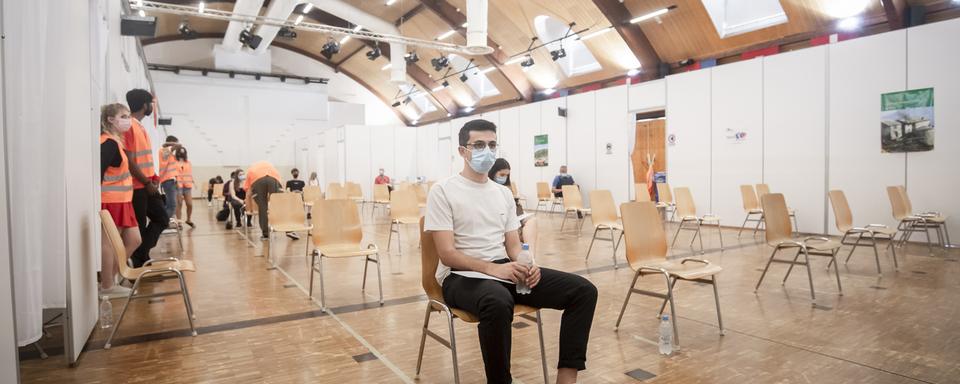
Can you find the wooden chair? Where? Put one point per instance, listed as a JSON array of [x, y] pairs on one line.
[[778, 236], [312, 194], [403, 210], [646, 244], [763, 189], [285, 214], [865, 235], [544, 197], [751, 207], [152, 268], [604, 216], [573, 203], [931, 220], [429, 258], [335, 191], [641, 192], [665, 199], [421, 192], [687, 211], [354, 192], [218, 194], [338, 235], [381, 197], [250, 210]]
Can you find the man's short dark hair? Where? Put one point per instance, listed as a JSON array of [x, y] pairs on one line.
[[138, 99], [292, 171], [478, 125], [172, 139]]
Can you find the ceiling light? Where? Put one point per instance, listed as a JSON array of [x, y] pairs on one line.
[[845, 9], [390, 2], [468, 109], [446, 34], [548, 91], [633, 72], [449, 114], [487, 70], [344, 40], [514, 60], [528, 62], [594, 33], [386, 67], [287, 33], [142, 13], [463, 77], [298, 20], [439, 63], [849, 24], [464, 25], [437, 88], [307, 8], [374, 53], [411, 57], [201, 7], [249, 39], [186, 32], [651, 14], [414, 122], [558, 54], [330, 48]]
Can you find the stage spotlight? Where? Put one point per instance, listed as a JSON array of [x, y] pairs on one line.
[[186, 32], [330, 48], [407, 100], [374, 53], [411, 57], [248, 39], [463, 77], [558, 54], [446, 84], [395, 104], [528, 62], [287, 33], [439, 63]]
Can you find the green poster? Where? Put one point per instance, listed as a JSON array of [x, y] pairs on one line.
[[906, 121], [540, 154]]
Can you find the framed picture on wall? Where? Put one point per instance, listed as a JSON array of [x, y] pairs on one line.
[[906, 121], [540, 151]]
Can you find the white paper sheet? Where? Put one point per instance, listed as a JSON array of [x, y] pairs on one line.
[[478, 275]]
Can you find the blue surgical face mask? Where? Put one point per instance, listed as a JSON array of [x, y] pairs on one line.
[[482, 161], [500, 180]]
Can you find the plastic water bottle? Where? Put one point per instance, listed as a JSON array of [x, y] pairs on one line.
[[526, 260], [106, 313], [666, 336]]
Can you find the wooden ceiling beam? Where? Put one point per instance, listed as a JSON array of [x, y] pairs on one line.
[[619, 17], [455, 20], [348, 57], [409, 15], [423, 79], [896, 11]]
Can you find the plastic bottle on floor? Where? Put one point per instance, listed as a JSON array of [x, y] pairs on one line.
[[527, 260], [106, 313], [666, 336]]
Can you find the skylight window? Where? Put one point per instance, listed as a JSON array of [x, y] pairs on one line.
[[477, 78], [419, 99], [578, 59], [736, 17]]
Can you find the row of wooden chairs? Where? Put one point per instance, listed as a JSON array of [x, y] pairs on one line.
[[751, 207]]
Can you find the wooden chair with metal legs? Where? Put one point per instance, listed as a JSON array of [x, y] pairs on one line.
[[604, 217], [751, 207], [403, 210], [336, 191], [429, 258], [355, 193], [381, 198], [152, 268], [311, 194], [665, 199], [763, 189], [687, 212], [544, 197], [907, 223], [336, 235], [642, 194], [646, 244], [285, 214], [778, 236], [218, 194], [866, 236], [573, 203], [933, 220], [421, 192]]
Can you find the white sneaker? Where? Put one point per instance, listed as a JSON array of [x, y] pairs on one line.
[[115, 292]]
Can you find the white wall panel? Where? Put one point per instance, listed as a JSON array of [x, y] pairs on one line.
[[614, 125], [331, 162], [794, 132], [552, 124], [358, 151], [529, 121], [688, 117], [860, 71], [581, 132], [737, 108], [405, 154], [933, 53], [381, 155], [648, 96], [426, 151]]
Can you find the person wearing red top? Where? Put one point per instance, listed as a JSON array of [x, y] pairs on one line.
[[383, 179], [116, 194], [147, 201], [262, 181]]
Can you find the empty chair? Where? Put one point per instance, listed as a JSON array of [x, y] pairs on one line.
[[665, 199], [429, 258], [646, 244], [152, 268], [335, 191], [311, 194], [544, 197], [403, 210], [354, 192], [604, 216], [932, 220], [285, 214], [687, 211], [777, 220], [218, 194], [421, 191], [865, 235], [642, 193], [751, 207], [763, 189], [338, 235], [573, 203], [381, 197]]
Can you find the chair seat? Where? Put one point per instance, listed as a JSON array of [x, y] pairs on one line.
[[381, 201], [291, 228], [688, 271], [820, 245], [471, 318], [754, 211], [179, 265], [614, 225], [933, 219], [407, 220], [346, 250], [581, 210], [883, 230]]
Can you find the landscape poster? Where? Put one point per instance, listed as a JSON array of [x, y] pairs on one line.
[[906, 121], [540, 153]]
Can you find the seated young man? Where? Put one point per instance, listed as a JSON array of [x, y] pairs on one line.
[[474, 224]]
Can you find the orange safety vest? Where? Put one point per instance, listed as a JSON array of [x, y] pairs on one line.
[[137, 140], [117, 184], [168, 165], [186, 174]]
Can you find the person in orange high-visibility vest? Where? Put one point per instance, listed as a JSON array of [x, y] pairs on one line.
[[116, 194], [186, 185], [168, 174], [147, 201], [262, 181]]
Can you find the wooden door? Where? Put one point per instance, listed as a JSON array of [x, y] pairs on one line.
[[650, 139]]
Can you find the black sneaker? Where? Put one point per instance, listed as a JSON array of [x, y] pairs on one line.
[[293, 235], [229, 226]]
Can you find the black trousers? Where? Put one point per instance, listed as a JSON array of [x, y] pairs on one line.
[[261, 190], [492, 301], [148, 207]]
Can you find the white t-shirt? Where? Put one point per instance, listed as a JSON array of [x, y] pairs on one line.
[[479, 214]]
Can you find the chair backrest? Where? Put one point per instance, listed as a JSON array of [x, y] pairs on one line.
[[543, 190], [286, 209], [749, 197], [403, 203], [335, 191], [643, 233], [906, 199], [403, 185], [572, 199], [513, 189], [776, 218], [685, 204], [429, 259], [218, 191], [250, 204], [381, 193], [603, 209], [762, 189], [353, 190], [642, 193], [663, 193], [109, 229], [841, 210], [312, 193], [338, 224], [897, 202]]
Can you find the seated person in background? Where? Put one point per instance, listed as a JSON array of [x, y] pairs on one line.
[[233, 196], [314, 181], [295, 184], [500, 174], [559, 181], [383, 179], [474, 224], [215, 180], [262, 181]]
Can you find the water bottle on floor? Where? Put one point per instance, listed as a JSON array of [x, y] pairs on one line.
[[524, 259], [666, 336], [106, 313]]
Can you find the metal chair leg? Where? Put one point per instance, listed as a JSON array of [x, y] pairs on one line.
[[719, 234], [836, 271], [765, 269], [790, 269], [664, 304], [673, 311], [876, 254], [390, 235], [564, 222], [677, 234], [189, 301], [186, 302], [590, 248], [123, 312], [716, 299], [323, 302], [313, 266], [543, 352], [743, 225], [806, 257], [453, 349], [700, 235], [857, 243], [893, 252], [423, 338], [379, 279], [626, 300], [613, 244], [363, 283]]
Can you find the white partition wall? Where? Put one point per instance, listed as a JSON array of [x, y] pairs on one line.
[[331, 162], [405, 154], [581, 132], [426, 151], [648, 96], [508, 137], [529, 122], [737, 136], [555, 126], [933, 53], [860, 70], [614, 125], [794, 132], [688, 117]]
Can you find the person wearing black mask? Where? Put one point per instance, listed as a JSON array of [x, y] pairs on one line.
[[295, 185]]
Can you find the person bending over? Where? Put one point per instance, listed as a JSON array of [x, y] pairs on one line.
[[233, 195], [474, 224], [262, 181]]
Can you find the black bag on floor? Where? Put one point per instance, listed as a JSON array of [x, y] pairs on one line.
[[224, 214]]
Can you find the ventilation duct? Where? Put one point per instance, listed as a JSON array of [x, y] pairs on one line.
[[477, 27]]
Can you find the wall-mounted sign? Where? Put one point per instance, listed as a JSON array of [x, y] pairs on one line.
[[609, 148], [540, 151], [906, 121], [735, 136], [672, 139]]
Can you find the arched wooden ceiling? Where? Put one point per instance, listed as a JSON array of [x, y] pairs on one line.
[[685, 32]]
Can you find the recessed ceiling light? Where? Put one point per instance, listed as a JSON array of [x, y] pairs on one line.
[[846, 8], [298, 20], [446, 34], [850, 23], [651, 15], [390, 2], [594, 33]]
